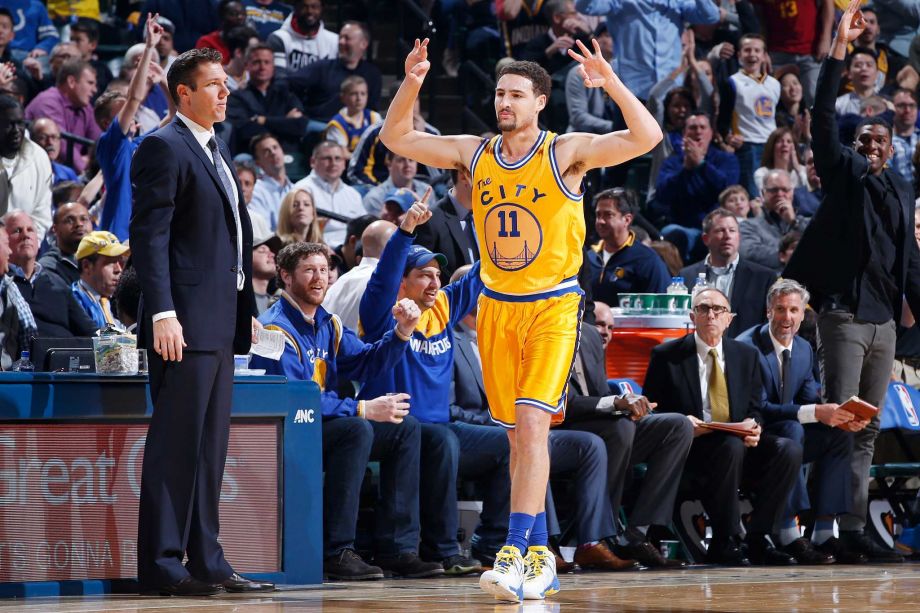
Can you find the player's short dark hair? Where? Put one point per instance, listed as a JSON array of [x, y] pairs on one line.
[[290, 256], [88, 26], [871, 121], [533, 72], [624, 200], [183, 69]]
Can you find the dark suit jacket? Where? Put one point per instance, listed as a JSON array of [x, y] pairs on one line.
[[835, 247], [673, 379], [183, 242], [582, 403], [749, 293], [801, 374], [468, 393], [443, 234]]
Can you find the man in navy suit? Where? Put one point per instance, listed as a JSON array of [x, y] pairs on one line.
[[743, 281], [792, 409], [190, 230], [710, 378]]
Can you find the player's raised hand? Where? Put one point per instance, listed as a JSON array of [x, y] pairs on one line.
[[418, 214], [594, 69], [851, 23], [417, 64], [407, 315], [154, 30]]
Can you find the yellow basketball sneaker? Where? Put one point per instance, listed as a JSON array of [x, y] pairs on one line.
[[506, 579], [540, 578]]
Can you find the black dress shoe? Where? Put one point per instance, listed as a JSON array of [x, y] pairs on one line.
[[726, 553], [238, 583], [861, 543], [841, 553], [762, 552], [189, 586], [647, 555], [805, 553]]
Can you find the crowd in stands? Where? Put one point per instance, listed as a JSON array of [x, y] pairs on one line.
[[725, 198]]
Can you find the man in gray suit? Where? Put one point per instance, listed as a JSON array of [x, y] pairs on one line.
[[632, 435]]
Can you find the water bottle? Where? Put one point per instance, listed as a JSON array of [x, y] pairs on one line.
[[676, 288], [701, 283], [23, 364]]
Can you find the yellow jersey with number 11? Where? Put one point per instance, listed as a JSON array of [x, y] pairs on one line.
[[530, 226]]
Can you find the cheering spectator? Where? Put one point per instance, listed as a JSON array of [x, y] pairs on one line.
[[232, 15], [862, 72], [69, 104], [760, 235], [25, 173], [402, 173], [101, 259], [47, 135], [57, 313], [690, 182], [747, 105], [745, 283], [347, 126], [619, 263], [71, 223], [906, 135], [344, 298], [115, 149], [634, 23], [35, 34], [84, 33], [801, 37], [303, 39], [780, 152], [808, 197], [297, 221], [791, 112], [274, 183], [17, 325], [266, 16], [329, 192], [266, 104], [319, 83]]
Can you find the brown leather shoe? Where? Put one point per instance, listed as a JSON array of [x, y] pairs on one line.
[[562, 566], [599, 557]]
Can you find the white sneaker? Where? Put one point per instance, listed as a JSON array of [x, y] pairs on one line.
[[540, 578], [506, 579]]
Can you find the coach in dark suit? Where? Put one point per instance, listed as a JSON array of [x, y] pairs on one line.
[[711, 378], [792, 409], [189, 231], [662, 441], [744, 282], [857, 257], [450, 229]]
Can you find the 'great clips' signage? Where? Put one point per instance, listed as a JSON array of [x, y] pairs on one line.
[[69, 498]]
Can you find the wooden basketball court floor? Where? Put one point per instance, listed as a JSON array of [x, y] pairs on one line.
[[808, 589]]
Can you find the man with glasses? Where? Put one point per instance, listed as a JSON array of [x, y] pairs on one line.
[[710, 378], [906, 134], [760, 236]]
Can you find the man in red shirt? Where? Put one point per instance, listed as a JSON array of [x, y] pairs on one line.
[[798, 32]]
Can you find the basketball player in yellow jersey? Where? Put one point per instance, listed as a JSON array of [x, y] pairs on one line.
[[528, 217]]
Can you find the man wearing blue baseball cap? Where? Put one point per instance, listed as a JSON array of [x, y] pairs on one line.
[[396, 204], [450, 450]]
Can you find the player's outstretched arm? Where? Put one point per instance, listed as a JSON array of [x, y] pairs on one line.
[[642, 132], [401, 137]]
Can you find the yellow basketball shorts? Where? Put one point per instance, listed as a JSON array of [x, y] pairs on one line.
[[528, 350]]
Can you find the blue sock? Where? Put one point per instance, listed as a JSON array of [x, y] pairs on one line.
[[539, 536], [519, 527]]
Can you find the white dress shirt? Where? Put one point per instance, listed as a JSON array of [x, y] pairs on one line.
[[344, 296], [806, 414], [705, 366]]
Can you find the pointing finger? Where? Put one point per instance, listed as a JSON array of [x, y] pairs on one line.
[[427, 195]]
